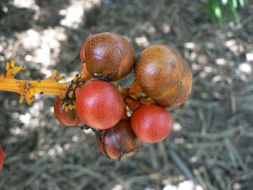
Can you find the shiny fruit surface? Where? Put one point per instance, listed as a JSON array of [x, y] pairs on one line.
[[164, 76], [69, 118], [119, 141], [108, 54], [151, 123], [82, 51], [99, 104]]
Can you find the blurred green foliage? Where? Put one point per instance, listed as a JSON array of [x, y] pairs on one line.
[[220, 10]]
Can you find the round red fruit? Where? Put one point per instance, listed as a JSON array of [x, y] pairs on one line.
[[1, 157], [151, 123], [99, 104], [69, 118]]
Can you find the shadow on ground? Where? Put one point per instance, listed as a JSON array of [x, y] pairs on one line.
[[212, 132]]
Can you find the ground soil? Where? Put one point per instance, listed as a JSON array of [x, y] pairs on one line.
[[213, 131]]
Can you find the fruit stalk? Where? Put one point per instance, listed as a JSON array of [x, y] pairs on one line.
[[26, 88], [134, 96]]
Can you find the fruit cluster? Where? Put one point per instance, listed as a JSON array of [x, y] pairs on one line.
[[121, 118]]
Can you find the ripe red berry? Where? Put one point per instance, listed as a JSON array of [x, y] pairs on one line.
[[99, 104], [164, 76], [69, 118], [1, 157], [119, 141], [108, 54], [151, 123]]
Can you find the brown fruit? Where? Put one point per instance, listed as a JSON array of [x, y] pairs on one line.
[[119, 141], [109, 54], [69, 118], [164, 76]]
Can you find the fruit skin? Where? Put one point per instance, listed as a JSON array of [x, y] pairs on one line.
[[164, 76], [99, 104], [151, 123], [108, 53], [82, 51], [1, 157], [119, 141], [69, 118], [85, 75]]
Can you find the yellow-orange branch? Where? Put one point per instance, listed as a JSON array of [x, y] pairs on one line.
[[20, 86], [28, 88]]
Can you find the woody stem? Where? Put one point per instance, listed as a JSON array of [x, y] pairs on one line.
[[19, 86]]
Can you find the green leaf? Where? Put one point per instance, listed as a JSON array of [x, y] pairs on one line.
[[217, 11], [234, 13]]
